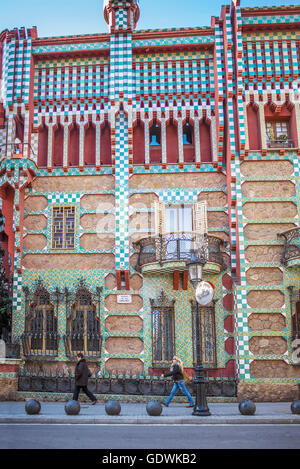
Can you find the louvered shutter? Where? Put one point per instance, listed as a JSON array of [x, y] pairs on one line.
[[159, 218], [200, 217]]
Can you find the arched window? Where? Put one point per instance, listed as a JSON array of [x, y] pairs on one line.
[[253, 126], [83, 326], [205, 141], [105, 144], [188, 142], [41, 335], [90, 145], [172, 142], [74, 144], [138, 143], [58, 145], [155, 142], [42, 146]]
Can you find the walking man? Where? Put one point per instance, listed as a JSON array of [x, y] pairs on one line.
[[82, 374]]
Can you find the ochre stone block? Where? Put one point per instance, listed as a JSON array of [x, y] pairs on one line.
[[97, 201], [142, 221], [268, 392], [35, 204], [143, 200], [263, 253], [266, 322], [263, 210], [217, 219], [136, 282], [192, 180], [97, 241], [125, 345], [127, 324], [38, 241], [267, 345], [268, 189], [74, 183], [110, 281], [69, 261], [35, 222], [267, 168], [264, 276], [131, 366], [213, 199], [265, 232], [112, 305], [98, 221], [273, 369], [265, 299]]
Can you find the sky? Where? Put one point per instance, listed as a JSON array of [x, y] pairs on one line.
[[71, 17]]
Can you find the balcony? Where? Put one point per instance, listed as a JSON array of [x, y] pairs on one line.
[[291, 249], [280, 143], [169, 252]]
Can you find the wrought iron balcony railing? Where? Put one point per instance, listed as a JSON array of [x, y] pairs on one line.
[[172, 247], [40, 343], [291, 248], [89, 344], [280, 143]]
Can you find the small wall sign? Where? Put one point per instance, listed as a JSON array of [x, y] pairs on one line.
[[124, 299]]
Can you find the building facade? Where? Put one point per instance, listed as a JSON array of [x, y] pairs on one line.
[[123, 152]]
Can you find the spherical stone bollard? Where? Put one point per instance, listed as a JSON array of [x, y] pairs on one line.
[[112, 408], [247, 408], [72, 408], [295, 407], [154, 408], [32, 407]]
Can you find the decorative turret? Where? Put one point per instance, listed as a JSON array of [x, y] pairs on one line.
[[121, 15]]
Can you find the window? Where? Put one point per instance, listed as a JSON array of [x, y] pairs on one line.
[[277, 134], [63, 227], [41, 337], [155, 134], [204, 337], [296, 322], [163, 330], [187, 134], [83, 326]]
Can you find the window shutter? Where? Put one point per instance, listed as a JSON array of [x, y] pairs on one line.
[[200, 217], [159, 218]]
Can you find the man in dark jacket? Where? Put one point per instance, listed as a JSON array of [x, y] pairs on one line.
[[82, 374]]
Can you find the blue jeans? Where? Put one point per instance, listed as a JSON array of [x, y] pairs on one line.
[[180, 385]]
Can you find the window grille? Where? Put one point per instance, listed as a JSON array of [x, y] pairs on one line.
[[204, 335], [41, 336], [163, 330], [63, 227]]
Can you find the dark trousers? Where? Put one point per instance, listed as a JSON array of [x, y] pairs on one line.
[[85, 390]]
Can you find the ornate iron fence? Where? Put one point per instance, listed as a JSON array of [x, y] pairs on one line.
[[176, 247], [63, 382], [291, 247]]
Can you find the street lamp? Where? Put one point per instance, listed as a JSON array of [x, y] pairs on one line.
[[195, 265]]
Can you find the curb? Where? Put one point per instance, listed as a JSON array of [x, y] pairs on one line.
[[117, 420]]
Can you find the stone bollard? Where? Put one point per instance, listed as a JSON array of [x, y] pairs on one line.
[[32, 407], [112, 408], [154, 408], [295, 407], [72, 408], [247, 408]]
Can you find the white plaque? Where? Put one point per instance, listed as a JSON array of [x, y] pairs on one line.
[[124, 299], [204, 293]]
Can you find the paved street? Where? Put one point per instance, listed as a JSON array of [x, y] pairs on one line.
[[149, 436]]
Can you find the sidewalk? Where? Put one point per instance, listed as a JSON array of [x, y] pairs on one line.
[[131, 414]]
